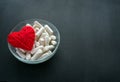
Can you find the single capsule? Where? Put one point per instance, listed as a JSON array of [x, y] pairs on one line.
[[39, 32], [37, 54], [28, 25], [46, 54], [35, 49], [37, 24], [48, 29], [28, 56], [21, 54], [42, 41], [46, 40], [53, 37], [53, 42]]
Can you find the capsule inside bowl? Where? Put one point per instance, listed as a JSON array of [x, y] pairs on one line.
[[46, 42]]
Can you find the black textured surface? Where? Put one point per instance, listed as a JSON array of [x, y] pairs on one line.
[[90, 40]]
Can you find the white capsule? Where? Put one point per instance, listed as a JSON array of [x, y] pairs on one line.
[[51, 47], [21, 54], [28, 25], [53, 37], [36, 29], [46, 54], [28, 56], [42, 41], [37, 54], [34, 26], [48, 29], [47, 48], [49, 39], [37, 24], [35, 49], [53, 42], [37, 44], [46, 33], [23, 51], [46, 40], [42, 36], [39, 32]]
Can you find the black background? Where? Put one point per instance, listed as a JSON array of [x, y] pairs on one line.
[[90, 40]]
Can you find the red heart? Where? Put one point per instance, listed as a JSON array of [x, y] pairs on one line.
[[23, 39]]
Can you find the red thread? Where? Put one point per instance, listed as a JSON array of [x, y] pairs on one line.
[[22, 39]]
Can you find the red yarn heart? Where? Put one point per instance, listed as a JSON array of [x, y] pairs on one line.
[[22, 39]]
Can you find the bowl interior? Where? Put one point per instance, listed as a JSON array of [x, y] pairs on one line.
[[40, 60]]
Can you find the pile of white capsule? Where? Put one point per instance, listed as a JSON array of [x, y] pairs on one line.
[[45, 42]]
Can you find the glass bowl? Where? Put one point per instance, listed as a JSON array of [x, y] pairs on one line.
[[41, 59]]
